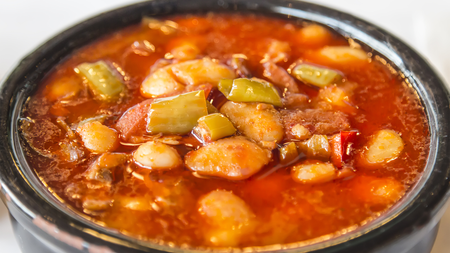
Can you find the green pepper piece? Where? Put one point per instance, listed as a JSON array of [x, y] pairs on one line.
[[213, 127], [248, 90], [177, 114], [288, 152], [101, 79], [317, 76]]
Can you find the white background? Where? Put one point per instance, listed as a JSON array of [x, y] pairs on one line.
[[25, 24]]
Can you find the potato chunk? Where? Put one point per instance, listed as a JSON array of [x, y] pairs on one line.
[[234, 158], [313, 172], [258, 121], [385, 146], [64, 88], [157, 156], [373, 190], [228, 215], [98, 138], [159, 83], [342, 54], [202, 71]]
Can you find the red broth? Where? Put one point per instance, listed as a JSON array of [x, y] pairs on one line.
[[164, 205]]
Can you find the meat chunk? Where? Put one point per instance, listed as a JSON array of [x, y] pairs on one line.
[[317, 121], [280, 77], [258, 121], [234, 158]]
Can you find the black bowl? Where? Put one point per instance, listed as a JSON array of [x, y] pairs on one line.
[[43, 224]]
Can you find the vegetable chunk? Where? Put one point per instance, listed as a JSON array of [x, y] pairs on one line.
[[260, 122], [343, 54], [377, 191], [213, 127], [177, 114], [102, 80], [229, 216], [157, 156], [385, 146], [159, 83], [250, 90], [234, 158], [313, 172], [98, 138], [316, 147], [202, 71], [314, 75]]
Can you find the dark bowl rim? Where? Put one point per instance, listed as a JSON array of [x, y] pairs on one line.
[[19, 187]]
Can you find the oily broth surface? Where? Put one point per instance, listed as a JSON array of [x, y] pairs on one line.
[[287, 211]]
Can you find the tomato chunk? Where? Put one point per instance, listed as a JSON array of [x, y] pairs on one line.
[[342, 146], [133, 119]]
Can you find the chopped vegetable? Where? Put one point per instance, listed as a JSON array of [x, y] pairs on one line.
[[314, 75], [300, 132], [342, 54], [213, 127], [202, 71], [316, 147], [385, 146], [288, 152], [98, 138], [133, 120], [157, 156], [102, 80], [186, 51], [234, 158], [229, 216], [313, 172], [159, 83], [260, 122], [314, 35], [249, 90], [177, 114], [376, 191], [342, 147], [64, 88]]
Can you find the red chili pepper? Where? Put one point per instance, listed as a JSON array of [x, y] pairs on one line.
[[341, 147]]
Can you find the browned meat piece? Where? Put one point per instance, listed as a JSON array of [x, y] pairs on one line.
[[295, 101], [280, 77], [317, 121]]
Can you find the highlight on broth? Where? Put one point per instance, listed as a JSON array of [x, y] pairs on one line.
[[226, 130]]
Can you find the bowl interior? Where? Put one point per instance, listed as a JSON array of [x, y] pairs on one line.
[[411, 67]]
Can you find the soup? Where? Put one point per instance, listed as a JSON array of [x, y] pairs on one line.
[[226, 130]]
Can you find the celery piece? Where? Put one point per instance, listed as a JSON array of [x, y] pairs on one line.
[[248, 90], [317, 76], [177, 114], [288, 152], [102, 81], [213, 127]]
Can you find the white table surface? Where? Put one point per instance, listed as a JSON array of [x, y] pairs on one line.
[[25, 24]]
